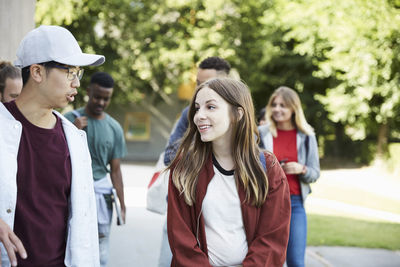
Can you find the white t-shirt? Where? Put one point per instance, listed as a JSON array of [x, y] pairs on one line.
[[225, 234]]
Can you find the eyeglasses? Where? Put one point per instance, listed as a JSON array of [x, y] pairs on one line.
[[72, 74]]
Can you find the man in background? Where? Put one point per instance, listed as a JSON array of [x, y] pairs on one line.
[[107, 146], [10, 82]]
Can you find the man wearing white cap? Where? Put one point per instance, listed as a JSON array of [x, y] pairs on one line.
[[47, 203]]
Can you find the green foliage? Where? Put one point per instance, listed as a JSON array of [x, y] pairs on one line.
[[341, 56], [341, 231], [152, 47], [58, 12], [356, 43], [360, 152]]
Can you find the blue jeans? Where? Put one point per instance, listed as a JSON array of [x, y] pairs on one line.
[[298, 233], [104, 240]]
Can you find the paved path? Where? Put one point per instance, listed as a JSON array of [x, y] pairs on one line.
[[138, 242], [351, 257]]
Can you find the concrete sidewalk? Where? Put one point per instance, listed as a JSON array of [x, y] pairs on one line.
[[351, 257], [138, 242]]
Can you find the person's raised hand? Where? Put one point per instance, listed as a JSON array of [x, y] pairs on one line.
[[11, 243], [81, 122]]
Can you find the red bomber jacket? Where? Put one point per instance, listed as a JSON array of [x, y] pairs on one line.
[[267, 227]]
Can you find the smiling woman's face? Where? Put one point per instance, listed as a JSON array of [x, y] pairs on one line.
[[281, 113], [213, 116]]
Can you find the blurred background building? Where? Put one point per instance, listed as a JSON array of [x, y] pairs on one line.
[[16, 19]]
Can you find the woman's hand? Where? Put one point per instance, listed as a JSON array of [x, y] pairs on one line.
[[294, 168]]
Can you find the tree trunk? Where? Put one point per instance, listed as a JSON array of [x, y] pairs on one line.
[[339, 135], [382, 142]]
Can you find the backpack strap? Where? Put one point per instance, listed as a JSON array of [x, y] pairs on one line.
[[263, 160], [76, 113], [307, 142]]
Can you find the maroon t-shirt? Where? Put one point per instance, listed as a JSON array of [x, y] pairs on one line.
[[43, 182], [285, 149]]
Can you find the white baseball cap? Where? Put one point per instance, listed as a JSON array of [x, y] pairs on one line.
[[53, 43]]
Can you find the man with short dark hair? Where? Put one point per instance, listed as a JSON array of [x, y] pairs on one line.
[[107, 146], [10, 82], [212, 67], [47, 203]]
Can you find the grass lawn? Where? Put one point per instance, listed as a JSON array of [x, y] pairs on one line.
[[341, 231], [356, 196], [367, 187]]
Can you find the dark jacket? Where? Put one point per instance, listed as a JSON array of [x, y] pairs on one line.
[[177, 133], [267, 227]]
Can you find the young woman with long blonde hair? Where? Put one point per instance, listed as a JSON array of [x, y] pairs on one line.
[[288, 135], [228, 201]]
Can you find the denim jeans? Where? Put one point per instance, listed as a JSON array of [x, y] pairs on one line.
[[298, 233], [165, 257], [104, 240]]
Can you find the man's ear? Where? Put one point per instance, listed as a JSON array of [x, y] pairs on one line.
[[241, 112], [37, 72]]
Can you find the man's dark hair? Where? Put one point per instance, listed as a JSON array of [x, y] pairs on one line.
[[25, 75], [103, 79], [7, 70], [215, 63], [261, 115], [25, 71]]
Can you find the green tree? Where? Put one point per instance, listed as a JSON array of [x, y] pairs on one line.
[[355, 45], [341, 56], [151, 47]]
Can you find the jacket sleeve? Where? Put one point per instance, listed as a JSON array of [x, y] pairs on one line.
[[177, 133], [312, 161], [181, 233], [272, 233]]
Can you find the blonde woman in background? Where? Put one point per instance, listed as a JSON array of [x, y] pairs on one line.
[[288, 135]]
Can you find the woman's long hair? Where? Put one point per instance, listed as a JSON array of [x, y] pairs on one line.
[[292, 100], [193, 153]]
